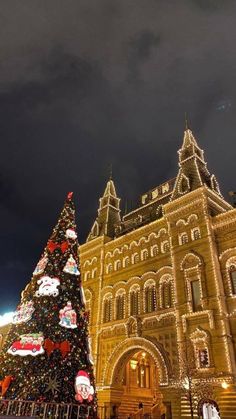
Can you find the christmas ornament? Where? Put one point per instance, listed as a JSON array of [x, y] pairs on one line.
[[52, 385], [29, 344], [54, 245], [23, 312], [50, 346], [48, 286], [5, 383], [68, 317], [84, 390], [69, 196], [71, 234], [71, 266], [41, 265]]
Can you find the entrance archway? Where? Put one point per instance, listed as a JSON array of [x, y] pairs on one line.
[[137, 368]]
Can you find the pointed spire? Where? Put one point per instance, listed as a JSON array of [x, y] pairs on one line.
[[193, 172], [108, 213]]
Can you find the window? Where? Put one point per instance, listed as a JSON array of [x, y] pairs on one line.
[[94, 272], [150, 299], [165, 246], [144, 254], [107, 310], [134, 303], [166, 295], [154, 250], [195, 233], [183, 239], [232, 272], [135, 258], [126, 262], [87, 275], [196, 295], [120, 305], [203, 358], [109, 268], [117, 265]]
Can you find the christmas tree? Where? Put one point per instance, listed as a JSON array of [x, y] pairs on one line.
[[46, 356]]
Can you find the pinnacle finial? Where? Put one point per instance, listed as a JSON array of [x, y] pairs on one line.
[[186, 121], [110, 177]]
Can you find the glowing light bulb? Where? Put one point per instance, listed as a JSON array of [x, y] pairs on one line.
[[224, 385]]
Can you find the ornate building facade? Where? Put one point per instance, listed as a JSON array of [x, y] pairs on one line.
[[160, 285]]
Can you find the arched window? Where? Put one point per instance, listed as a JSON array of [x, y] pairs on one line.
[[232, 274], [120, 306], [117, 265], [166, 295], [107, 310], [150, 298], [134, 302], [195, 233], [196, 295], [144, 254], [126, 262], [183, 238], [94, 272], [203, 358], [154, 250], [109, 268], [135, 258], [87, 275], [165, 246]]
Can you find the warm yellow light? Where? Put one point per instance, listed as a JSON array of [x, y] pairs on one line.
[[224, 385], [143, 354], [133, 364]]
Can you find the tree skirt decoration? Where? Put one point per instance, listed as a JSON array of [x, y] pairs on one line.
[[84, 389], [71, 266], [29, 344], [23, 312], [68, 317], [47, 286]]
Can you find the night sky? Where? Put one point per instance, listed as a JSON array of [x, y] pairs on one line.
[[84, 84]]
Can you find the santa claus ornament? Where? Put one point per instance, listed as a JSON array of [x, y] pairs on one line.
[[84, 389], [47, 286]]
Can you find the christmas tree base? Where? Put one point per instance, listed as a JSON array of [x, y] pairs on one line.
[[32, 410]]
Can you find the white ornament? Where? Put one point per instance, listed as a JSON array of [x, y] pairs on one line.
[[71, 234], [71, 266], [23, 312], [47, 286], [68, 317], [30, 344]]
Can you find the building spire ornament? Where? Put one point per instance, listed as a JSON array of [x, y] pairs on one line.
[[108, 213], [193, 172]]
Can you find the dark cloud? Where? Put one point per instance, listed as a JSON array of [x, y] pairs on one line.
[[86, 84]]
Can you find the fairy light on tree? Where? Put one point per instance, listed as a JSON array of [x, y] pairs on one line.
[[46, 355]]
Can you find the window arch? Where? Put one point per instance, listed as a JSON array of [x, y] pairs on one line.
[[126, 262], [117, 265], [200, 340], [94, 272], [150, 296], [107, 308], [144, 254], [165, 292], [195, 233], [120, 305], [134, 300], [154, 250], [109, 268], [165, 246], [135, 258], [183, 238], [87, 275]]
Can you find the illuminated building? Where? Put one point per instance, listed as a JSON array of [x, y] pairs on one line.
[[156, 279]]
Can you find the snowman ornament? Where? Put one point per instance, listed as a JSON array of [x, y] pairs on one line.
[[84, 389]]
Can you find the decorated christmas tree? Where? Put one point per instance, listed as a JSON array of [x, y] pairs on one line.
[[46, 356]]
